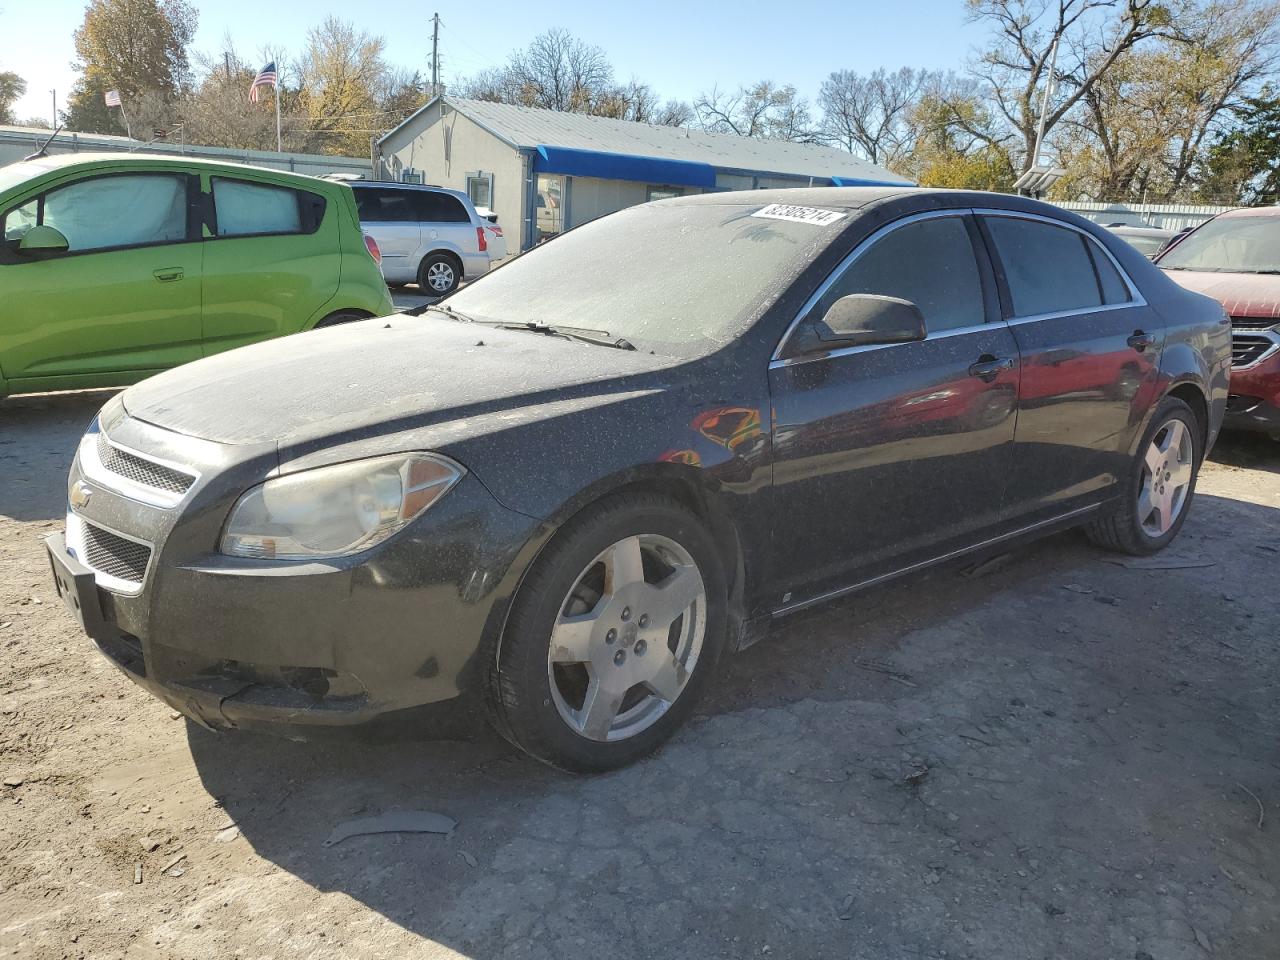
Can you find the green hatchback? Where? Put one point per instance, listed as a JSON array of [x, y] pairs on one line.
[[114, 267]]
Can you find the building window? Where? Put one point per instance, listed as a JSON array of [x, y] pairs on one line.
[[480, 189], [664, 193], [550, 220], [410, 175]]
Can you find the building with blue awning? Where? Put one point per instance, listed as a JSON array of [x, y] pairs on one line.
[[542, 172]]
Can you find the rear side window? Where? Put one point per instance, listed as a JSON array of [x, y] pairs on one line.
[[378, 205], [440, 207], [244, 208], [1048, 269], [1114, 289], [929, 262]]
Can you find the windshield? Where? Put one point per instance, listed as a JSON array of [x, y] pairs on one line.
[[674, 278], [1229, 244]]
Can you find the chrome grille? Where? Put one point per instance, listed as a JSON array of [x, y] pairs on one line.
[[1247, 348], [1254, 323], [114, 555], [146, 472]]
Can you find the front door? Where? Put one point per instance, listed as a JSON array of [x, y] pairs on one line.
[[889, 454], [121, 302], [1090, 351]]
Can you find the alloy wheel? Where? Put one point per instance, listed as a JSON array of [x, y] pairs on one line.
[[440, 276], [1167, 473], [627, 638]]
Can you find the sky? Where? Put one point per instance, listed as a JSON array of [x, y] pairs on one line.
[[679, 48]]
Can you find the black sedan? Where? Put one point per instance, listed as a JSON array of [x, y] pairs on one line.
[[568, 490]]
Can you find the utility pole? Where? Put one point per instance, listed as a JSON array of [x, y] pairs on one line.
[[54, 94], [435, 54], [226, 61], [1044, 104]]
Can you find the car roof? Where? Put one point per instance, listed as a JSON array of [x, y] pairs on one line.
[[430, 188], [72, 161], [1251, 212]]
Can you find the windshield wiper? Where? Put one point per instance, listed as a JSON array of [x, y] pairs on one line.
[[600, 338], [448, 311]]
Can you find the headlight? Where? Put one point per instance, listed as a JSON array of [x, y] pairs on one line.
[[336, 511]]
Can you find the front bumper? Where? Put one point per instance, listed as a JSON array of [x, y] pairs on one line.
[[1254, 403], [232, 642]]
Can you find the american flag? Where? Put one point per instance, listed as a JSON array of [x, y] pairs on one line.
[[266, 78], [112, 97]]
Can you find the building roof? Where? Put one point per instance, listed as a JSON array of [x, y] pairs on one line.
[[531, 127]]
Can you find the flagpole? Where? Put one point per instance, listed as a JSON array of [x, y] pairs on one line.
[[279, 149], [124, 116]]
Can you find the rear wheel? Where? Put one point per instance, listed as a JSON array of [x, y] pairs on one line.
[[612, 638], [439, 273], [1160, 486]]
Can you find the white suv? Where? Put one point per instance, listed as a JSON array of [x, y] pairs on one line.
[[427, 235]]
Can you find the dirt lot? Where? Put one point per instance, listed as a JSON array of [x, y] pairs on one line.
[[1064, 757]]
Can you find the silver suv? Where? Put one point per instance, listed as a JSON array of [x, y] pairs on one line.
[[427, 235]]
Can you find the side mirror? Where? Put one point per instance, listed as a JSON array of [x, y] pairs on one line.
[[43, 239], [864, 318]]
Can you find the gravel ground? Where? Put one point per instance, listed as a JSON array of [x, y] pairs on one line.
[[1060, 756]]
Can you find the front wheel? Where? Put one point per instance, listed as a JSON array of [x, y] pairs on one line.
[[1160, 485], [612, 637]]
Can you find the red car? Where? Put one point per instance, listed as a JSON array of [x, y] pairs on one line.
[[1235, 258]]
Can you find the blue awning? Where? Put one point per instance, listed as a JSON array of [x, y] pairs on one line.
[[623, 166], [856, 182]]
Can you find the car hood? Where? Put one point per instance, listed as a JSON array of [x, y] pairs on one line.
[[1241, 294], [385, 375]]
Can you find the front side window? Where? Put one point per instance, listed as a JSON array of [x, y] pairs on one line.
[[929, 262], [1048, 268], [20, 219], [117, 211], [243, 208]]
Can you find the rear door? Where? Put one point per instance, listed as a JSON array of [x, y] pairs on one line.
[[447, 225], [889, 454], [391, 216], [274, 259], [125, 296], [1090, 351]]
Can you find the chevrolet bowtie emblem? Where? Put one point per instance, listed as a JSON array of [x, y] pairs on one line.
[[80, 494]]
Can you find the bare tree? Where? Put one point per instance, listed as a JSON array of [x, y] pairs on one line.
[[1016, 67], [871, 114], [763, 110]]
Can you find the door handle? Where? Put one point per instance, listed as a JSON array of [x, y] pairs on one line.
[[1140, 341], [988, 367], [168, 274]]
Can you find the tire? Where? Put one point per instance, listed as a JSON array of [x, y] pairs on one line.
[[553, 657], [342, 316], [439, 274], [1133, 528]]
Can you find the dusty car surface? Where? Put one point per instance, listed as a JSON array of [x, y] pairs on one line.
[[568, 490]]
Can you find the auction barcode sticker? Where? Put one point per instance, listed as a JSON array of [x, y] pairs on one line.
[[787, 211]]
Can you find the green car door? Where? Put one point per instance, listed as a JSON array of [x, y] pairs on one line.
[[131, 263], [272, 260]]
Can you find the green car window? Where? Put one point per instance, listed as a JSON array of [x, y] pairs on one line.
[[119, 211], [20, 219], [244, 208]]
